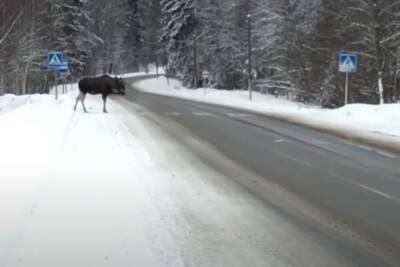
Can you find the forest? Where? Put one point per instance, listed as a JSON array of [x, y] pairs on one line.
[[295, 44]]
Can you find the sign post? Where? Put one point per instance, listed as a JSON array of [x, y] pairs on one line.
[[56, 81], [347, 64], [63, 71], [205, 76], [250, 56], [55, 60], [346, 94]]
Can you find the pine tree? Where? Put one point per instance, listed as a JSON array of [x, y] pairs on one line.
[[132, 42], [217, 48], [178, 29], [325, 41]]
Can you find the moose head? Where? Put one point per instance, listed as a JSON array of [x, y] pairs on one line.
[[119, 86]]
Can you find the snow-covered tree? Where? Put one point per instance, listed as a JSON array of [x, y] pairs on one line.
[[295, 43], [178, 31]]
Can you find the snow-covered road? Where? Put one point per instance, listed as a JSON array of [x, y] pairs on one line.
[[114, 190]]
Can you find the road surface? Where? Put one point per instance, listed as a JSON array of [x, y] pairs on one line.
[[344, 192]]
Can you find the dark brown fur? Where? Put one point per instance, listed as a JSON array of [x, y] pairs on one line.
[[103, 85]]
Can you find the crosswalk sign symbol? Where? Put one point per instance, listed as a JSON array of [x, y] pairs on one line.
[[347, 63], [55, 60]]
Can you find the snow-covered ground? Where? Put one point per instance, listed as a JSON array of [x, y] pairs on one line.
[[381, 119], [113, 190], [10, 102], [70, 192]]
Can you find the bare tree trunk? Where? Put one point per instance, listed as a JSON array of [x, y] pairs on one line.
[[17, 89], [46, 83], [1, 79], [30, 58], [381, 89], [25, 78], [396, 78]]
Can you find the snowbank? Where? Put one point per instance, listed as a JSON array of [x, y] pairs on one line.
[[9, 102], [382, 119], [369, 123], [30, 139]]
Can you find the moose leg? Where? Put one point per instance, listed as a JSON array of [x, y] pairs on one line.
[[77, 100], [83, 102], [104, 103]]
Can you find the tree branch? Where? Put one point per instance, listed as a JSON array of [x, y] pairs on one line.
[[11, 27]]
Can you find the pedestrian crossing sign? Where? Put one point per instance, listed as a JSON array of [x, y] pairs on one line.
[[63, 70], [55, 60], [347, 63]]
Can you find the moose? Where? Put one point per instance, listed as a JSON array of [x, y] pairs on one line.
[[103, 85]]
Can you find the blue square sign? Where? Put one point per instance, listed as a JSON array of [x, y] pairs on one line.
[[348, 63], [55, 60], [63, 69]]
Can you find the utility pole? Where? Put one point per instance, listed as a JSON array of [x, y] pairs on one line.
[[196, 73], [250, 63], [346, 90], [196, 70]]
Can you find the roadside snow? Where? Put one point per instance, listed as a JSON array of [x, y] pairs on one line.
[[9, 102], [382, 119], [70, 190]]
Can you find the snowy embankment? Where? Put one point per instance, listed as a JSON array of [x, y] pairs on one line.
[[9, 102], [373, 124]]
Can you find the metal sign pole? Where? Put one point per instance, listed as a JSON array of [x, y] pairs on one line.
[[250, 63], [54, 61], [56, 79], [347, 64], [196, 71], [346, 97]]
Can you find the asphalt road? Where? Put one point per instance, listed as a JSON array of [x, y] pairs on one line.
[[346, 192]]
